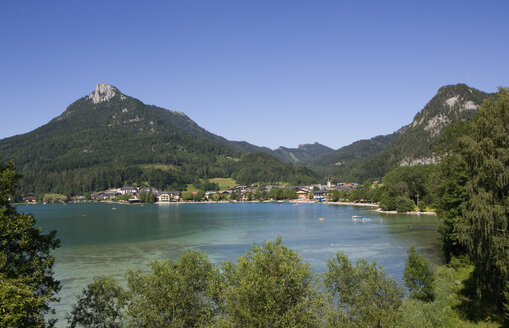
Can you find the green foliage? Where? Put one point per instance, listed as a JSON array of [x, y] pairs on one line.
[[18, 304], [260, 167], [446, 309], [439, 312], [365, 194], [407, 186], [54, 198], [122, 198], [333, 195], [404, 204], [451, 194], [270, 286], [199, 196], [281, 193], [418, 276], [365, 296], [224, 183], [100, 305], [205, 185], [173, 294], [482, 151], [27, 285], [187, 195], [147, 197], [506, 302], [327, 163]]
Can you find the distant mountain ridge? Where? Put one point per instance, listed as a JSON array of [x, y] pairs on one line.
[[355, 151], [303, 154]]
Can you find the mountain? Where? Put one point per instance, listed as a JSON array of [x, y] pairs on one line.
[[326, 163], [414, 143], [108, 139], [302, 154]]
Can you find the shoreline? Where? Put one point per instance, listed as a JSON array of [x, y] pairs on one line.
[[352, 204], [379, 210], [293, 201]]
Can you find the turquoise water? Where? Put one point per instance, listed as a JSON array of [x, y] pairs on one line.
[[99, 240]]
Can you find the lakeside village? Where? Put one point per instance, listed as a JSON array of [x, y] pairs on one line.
[[131, 194]]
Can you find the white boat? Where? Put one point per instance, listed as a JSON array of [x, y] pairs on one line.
[[360, 218]]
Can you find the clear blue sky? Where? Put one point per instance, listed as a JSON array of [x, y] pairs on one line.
[[268, 72]]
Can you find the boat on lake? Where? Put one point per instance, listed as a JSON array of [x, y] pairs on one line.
[[360, 218]]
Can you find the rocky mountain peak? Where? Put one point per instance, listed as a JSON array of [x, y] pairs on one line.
[[451, 103], [103, 92]]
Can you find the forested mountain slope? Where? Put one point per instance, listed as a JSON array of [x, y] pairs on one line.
[[414, 143], [107, 139], [326, 163]]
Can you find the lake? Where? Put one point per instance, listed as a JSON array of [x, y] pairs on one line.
[[107, 239]]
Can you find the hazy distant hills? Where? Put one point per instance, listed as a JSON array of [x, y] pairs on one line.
[[355, 151], [302, 154], [412, 144], [108, 139]]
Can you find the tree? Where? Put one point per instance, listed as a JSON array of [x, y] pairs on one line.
[[451, 194], [405, 187], [505, 304], [173, 294], [187, 195], [100, 305], [333, 195], [365, 296], [418, 276], [216, 197], [483, 148], [200, 194], [270, 286], [26, 264], [147, 197], [17, 303], [404, 204]]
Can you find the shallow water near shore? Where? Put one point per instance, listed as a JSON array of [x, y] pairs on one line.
[[108, 239]]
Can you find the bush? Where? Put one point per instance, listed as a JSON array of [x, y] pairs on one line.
[[366, 296], [404, 204], [418, 276], [101, 304], [270, 286], [173, 294]]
